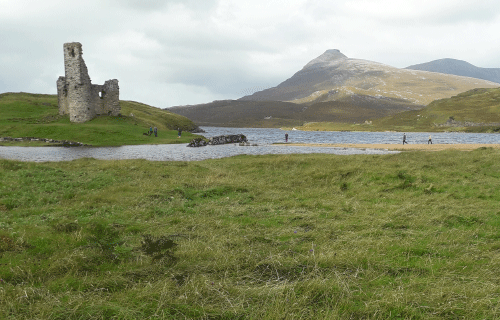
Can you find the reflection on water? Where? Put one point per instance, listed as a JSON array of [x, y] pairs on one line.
[[263, 137]]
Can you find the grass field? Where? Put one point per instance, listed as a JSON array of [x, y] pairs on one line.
[[37, 115], [413, 235]]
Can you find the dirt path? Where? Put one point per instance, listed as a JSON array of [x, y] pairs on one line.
[[406, 147]]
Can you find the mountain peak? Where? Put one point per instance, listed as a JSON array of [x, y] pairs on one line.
[[333, 51], [330, 55]]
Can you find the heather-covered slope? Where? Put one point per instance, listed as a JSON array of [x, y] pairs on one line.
[[241, 113]]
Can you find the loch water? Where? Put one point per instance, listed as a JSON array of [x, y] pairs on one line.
[[262, 141], [269, 136]]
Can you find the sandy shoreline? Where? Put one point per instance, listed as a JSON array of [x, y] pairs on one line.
[[400, 147]]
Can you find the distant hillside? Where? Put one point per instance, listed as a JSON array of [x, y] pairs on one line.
[[333, 76], [459, 68], [235, 113], [475, 110], [241, 113]]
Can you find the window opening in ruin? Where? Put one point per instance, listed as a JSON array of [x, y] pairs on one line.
[[73, 52], [101, 94]]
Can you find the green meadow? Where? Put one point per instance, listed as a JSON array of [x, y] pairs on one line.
[[37, 115], [414, 235]]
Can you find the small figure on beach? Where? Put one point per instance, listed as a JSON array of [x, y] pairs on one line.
[[286, 137], [179, 132], [150, 130], [404, 138], [430, 140], [155, 131]]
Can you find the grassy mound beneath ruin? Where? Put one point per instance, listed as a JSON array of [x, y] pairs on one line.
[[36, 115], [413, 235]]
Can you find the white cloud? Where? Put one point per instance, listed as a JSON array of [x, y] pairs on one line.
[[179, 52]]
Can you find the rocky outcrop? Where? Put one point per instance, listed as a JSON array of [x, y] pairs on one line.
[[197, 142], [197, 130], [58, 143], [234, 138]]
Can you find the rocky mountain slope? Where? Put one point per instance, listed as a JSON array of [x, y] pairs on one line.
[[334, 88], [333, 76], [459, 68]]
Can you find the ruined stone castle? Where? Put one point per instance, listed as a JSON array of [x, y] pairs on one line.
[[77, 96]]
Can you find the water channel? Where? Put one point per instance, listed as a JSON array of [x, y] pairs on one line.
[[263, 138]]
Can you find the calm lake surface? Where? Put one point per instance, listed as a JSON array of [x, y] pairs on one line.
[[264, 138]]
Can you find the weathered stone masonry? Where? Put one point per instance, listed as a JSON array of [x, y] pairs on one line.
[[77, 96]]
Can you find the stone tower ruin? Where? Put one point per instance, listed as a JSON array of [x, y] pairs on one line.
[[77, 96]]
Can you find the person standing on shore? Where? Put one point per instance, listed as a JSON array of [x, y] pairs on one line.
[[179, 131], [430, 140], [286, 137], [404, 139], [156, 131]]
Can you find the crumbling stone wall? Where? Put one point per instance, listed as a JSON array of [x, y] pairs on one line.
[[76, 94]]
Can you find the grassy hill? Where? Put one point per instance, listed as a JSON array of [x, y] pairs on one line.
[[36, 115], [413, 235], [476, 110]]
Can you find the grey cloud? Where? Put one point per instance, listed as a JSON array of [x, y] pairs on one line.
[[153, 5]]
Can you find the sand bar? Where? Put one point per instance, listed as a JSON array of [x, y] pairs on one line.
[[400, 147]]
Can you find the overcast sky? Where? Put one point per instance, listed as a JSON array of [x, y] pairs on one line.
[[179, 52]]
